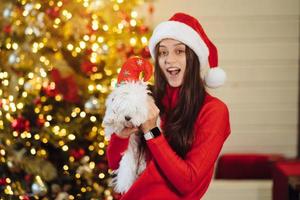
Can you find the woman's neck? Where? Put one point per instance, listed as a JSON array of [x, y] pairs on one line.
[[171, 97]]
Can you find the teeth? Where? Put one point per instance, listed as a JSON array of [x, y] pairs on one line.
[[173, 71]]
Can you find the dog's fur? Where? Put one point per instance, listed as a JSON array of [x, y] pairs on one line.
[[126, 106]]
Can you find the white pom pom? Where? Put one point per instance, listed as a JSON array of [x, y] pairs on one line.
[[215, 77]]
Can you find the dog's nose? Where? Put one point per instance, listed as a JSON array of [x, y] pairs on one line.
[[127, 118]]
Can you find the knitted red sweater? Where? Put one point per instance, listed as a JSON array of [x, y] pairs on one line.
[[168, 176]]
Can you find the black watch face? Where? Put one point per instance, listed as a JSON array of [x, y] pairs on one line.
[[155, 131]]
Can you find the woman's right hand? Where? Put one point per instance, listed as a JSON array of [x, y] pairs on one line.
[[126, 132]]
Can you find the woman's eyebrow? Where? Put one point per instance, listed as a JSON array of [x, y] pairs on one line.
[[177, 44]]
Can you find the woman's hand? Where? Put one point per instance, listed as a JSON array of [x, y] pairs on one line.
[[153, 113], [126, 132]]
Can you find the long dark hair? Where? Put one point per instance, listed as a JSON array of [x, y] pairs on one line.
[[179, 124]]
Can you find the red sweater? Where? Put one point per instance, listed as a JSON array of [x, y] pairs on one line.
[[168, 176]]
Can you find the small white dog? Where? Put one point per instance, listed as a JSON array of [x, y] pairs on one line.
[[126, 106]]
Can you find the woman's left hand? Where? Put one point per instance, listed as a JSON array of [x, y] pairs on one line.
[[153, 113]]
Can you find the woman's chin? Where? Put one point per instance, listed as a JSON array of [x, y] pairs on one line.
[[174, 83]]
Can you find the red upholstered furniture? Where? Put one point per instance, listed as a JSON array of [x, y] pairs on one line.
[[246, 166], [281, 172]]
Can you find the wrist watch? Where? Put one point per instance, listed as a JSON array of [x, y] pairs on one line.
[[153, 133]]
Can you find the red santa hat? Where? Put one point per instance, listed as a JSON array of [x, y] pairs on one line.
[[133, 67], [187, 29]]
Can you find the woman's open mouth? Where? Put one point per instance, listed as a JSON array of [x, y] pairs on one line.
[[173, 71]]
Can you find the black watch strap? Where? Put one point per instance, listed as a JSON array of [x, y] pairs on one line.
[[153, 133]]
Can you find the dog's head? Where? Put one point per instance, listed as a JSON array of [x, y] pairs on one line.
[[126, 106]]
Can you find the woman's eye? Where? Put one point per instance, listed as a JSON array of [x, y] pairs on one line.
[[180, 51], [162, 53]]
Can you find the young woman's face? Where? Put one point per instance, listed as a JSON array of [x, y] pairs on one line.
[[172, 61]]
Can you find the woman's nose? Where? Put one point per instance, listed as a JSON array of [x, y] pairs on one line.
[[171, 58]]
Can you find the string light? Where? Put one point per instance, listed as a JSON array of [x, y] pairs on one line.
[[93, 119], [101, 175], [105, 27], [71, 137], [132, 41]]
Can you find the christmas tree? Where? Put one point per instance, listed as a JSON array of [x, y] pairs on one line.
[[58, 61]]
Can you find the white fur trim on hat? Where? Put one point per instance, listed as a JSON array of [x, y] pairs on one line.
[[183, 33], [215, 77]]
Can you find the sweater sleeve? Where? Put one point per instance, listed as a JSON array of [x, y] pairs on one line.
[[115, 150], [211, 129]]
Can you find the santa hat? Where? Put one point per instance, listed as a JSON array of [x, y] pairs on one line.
[[133, 67], [187, 29]]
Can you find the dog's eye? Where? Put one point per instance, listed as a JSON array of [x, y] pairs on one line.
[[112, 99]]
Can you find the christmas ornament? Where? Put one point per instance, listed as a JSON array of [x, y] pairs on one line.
[[105, 49], [37, 101], [77, 153], [32, 30], [32, 86], [84, 169], [28, 87], [3, 181], [143, 29], [13, 58], [20, 124], [50, 91], [40, 122], [102, 166], [28, 178], [88, 67], [28, 7], [6, 12], [66, 86], [24, 197], [92, 105], [7, 29], [14, 158], [40, 19], [38, 187], [53, 12]]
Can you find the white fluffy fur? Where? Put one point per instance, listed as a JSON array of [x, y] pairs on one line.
[[129, 99], [215, 77], [128, 171]]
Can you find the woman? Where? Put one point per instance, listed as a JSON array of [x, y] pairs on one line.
[[194, 125]]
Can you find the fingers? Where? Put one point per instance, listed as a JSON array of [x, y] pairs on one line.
[[153, 113], [135, 129], [149, 93], [126, 132], [150, 98], [131, 130], [152, 107]]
